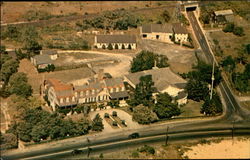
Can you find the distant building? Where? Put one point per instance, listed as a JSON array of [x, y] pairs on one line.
[[180, 32], [223, 16], [117, 41], [164, 80], [41, 61], [52, 54], [161, 32]]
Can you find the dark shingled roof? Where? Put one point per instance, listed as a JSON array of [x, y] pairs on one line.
[[178, 28], [49, 52], [149, 28], [42, 59], [113, 82], [162, 78], [116, 39], [117, 95]]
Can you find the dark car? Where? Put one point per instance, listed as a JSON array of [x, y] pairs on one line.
[[134, 135], [76, 151]]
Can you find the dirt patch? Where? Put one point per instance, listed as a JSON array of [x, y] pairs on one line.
[[11, 12], [226, 149]]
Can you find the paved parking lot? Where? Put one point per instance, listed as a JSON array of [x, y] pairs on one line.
[[121, 114]]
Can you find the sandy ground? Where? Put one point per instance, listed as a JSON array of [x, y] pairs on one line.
[[116, 70], [223, 150]]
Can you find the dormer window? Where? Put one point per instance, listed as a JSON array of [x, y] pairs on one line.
[[81, 93], [76, 94], [73, 99], [87, 92], [67, 99], [93, 91]]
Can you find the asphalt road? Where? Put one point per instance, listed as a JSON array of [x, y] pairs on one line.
[[233, 113]]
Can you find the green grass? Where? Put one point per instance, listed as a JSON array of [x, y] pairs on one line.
[[246, 105], [191, 109]]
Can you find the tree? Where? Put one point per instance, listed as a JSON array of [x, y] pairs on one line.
[[240, 82], [238, 31], [12, 32], [3, 49], [197, 90], [203, 72], [228, 63], [123, 46], [110, 47], [97, 124], [146, 60], [144, 115], [103, 46], [32, 46], [114, 113], [30, 34], [241, 56], [129, 46], [229, 27], [247, 71], [19, 86], [116, 46], [213, 106], [164, 108], [8, 68], [20, 55], [247, 48], [114, 103], [165, 15], [143, 92]]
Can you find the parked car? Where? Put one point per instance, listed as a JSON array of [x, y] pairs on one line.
[[76, 151]]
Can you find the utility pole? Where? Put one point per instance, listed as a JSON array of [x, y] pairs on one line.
[[212, 86], [89, 149], [233, 133], [166, 142]]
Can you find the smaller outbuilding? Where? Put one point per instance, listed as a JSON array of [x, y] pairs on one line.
[[161, 32], [223, 16], [41, 61], [52, 53], [180, 32], [115, 41]]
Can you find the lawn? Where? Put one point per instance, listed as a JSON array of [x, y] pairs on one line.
[[246, 105], [191, 109]]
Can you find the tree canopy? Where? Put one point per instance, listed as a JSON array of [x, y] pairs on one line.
[[97, 124], [144, 115], [213, 106], [18, 84], [143, 92], [197, 90], [146, 60], [164, 108]]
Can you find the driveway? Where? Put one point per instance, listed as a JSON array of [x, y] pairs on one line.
[[121, 114]]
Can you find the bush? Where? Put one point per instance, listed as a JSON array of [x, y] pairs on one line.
[[110, 47], [123, 46], [229, 27], [135, 154], [103, 47], [238, 31], [116, 46], [129, 46], [147, 149]]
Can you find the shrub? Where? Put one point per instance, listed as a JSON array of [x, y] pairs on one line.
[[135, 154], [129, 46], [123, 46], [110, 47], [147, 149], [116, 46], [103, 47], [238, 31], [229, 27]]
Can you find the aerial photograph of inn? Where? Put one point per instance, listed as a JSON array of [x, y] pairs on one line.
[[125, 79]]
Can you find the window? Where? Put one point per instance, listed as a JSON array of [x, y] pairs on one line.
[[157, 36], [87, 92], [111, 90], [93, 91], [123, 88], [67, 99], [144, 36], [81, 93], [73, 99], [76, 94], [61, 100]]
